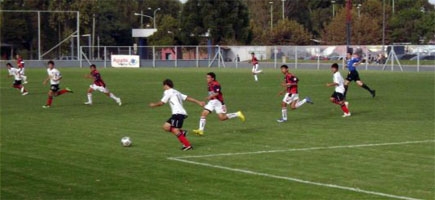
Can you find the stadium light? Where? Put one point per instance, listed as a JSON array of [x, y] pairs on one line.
[[271, 15], [333, 8], [154, 16], [283, 10]]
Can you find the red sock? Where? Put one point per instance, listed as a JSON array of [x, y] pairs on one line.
[[49, 100], [344, 108], [62, 92], [183, 140]]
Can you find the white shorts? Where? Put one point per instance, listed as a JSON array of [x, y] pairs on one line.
[[255, 68], [216, 105], [22, 70], [289, 98], [99, 88]]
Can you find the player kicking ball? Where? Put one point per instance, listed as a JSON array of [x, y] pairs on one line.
[[99, 85], [175, 122], [54, 76], [338, 96], [215, 103], [17, 79]]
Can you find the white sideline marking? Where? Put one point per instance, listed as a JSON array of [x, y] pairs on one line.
[[309, 149], [182, 159]]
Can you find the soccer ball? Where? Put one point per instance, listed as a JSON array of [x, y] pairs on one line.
[[126, 141]]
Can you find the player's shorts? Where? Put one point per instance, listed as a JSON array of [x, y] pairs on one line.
[[216, 105], [17, 82], [353, 76], [289, 98], [254, 68], [54, 87], [177, 120], [99, 88], [338, 96], [22, 71]]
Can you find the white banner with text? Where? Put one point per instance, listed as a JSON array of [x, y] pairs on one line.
[[125, 61]]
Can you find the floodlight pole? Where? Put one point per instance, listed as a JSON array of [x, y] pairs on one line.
[[39, 35], [348, 20]]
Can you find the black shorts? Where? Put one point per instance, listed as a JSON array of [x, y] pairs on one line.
[[17, 82], [54, 88], [177, 120], [353, 76], [338, 96]]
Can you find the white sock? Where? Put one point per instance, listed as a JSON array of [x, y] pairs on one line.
[[300, 103], [232, 115], [202, 124], [113, 97], [284, 113], [255, 77], [90, 97], [24, 78]]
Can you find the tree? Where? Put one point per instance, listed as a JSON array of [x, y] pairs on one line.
[[167, 32], [289, 32]]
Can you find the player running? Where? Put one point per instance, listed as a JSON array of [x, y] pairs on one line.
[[17, 79], [353, 61], [291, 96], [338, 96], [255, 69], [175, 123], [20, 64], [99, 85], [215, 103], [54, 76]]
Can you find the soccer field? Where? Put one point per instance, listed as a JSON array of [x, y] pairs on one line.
[[385, 150]]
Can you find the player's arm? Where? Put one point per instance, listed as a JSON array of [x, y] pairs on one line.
[[156, 104], [88, 76], [46, 80], [200, 103], [331, 84]]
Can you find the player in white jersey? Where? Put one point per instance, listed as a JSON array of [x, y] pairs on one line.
[[20, 65], [175, 123], [17, 79], [338, 96], [54, 77]]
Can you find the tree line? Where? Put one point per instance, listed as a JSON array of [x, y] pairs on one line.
[[223, 22]]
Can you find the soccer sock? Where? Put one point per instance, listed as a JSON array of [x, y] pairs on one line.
[[366, 87], [284, 113], [345, 90], [255, 77], [231, 115], [49, 100], [183, 139], [24, 78], [202, 124], [344, 109], [62, 92], [90, 97], [113, 96], [300, 103]]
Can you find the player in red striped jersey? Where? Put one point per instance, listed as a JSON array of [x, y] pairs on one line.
[[291, 96], [216, 103], [99, 85], [255, 70], [20, 65], [17, 79]]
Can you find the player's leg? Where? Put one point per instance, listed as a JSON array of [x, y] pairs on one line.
[[203, 119], [285, 101], [254, 72], [111, 95], [63, 91], [338, 99], [221, 111], [363, 85], [50, 97], [174, 125], [89, 94]]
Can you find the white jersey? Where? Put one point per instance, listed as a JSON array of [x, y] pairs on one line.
[[175, 100], [16, 73], [338, 79], [54, 75]]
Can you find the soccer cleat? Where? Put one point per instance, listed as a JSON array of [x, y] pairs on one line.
[[184, 148], [22, 89], [198, 132], [346, 104], [346, 115], [373, 92], [25, 82], [88, 103], [308, 99], [25, 93], [281, 120], [241, 116], [119, 102], [46, 106], [69, 90]]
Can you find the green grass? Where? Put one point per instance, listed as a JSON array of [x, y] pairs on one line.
[[73, 151]]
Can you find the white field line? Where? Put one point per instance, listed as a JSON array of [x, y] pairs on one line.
[[183, 159], [309, 149]]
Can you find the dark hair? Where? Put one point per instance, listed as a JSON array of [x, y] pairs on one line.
[[93, 66], [284, 66], [212, 74], [335, 65], [50, 62], [168, 82], [9, 64]]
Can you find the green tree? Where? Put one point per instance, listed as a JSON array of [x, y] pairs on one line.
[[289, 32]]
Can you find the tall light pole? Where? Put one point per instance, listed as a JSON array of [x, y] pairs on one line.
[[359, 10], [141, 17], [348, 21], [383, 26], [333, 8], [89, 43], [154, 17], [283, 10], [271, 15]]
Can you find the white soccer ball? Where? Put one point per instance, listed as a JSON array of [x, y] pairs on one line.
[[126, 141]]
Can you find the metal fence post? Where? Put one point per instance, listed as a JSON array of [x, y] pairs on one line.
[[275, 52], [176, 57], [197, 56], [296, 57], [154, 56], [105, 57]]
